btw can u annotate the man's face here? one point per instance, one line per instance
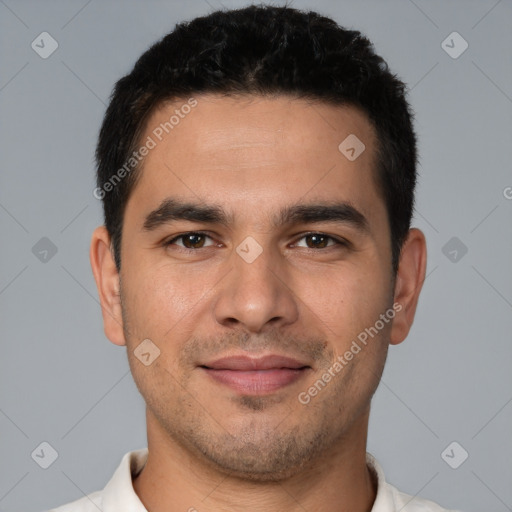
(262, 277)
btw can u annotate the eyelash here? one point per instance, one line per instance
(339, 242)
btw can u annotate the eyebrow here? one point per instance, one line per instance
(172, 209)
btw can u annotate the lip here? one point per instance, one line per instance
(242, 362)
(256, 376)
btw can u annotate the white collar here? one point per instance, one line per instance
(119, 494)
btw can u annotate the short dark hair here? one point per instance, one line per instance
(262, 50)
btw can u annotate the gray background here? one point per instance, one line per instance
(64, 383)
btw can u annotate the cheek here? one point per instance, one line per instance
(345, 304)
(163, 302)
(157, 308)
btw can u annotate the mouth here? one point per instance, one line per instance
(256, 376)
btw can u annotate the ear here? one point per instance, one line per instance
(107, 281)
(408, 284)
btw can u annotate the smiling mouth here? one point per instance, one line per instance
(257, 382)
(256, 376)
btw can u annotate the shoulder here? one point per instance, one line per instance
(407, 503)
(118, 494)
(390, 499)
(89, 503)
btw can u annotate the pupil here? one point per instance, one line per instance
(193, 240)
(318, 240)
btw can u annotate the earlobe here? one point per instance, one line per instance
(409, 281)
(107, 282)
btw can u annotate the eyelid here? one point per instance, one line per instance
(337, 240)
(170, 241)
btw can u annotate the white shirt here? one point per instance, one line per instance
(119, 496)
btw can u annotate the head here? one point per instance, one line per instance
(233, 126)
(261, 51)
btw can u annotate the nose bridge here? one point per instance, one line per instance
(254, 293)
(255, 262)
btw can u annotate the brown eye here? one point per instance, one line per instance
(318, 241)
(192, 240)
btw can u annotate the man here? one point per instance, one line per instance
(257, 170)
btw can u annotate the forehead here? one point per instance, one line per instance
(225, 124)
(252, 151)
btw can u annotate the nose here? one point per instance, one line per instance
(256, 295)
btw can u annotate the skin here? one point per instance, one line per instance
(211, 447)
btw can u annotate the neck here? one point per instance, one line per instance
(175, 479)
